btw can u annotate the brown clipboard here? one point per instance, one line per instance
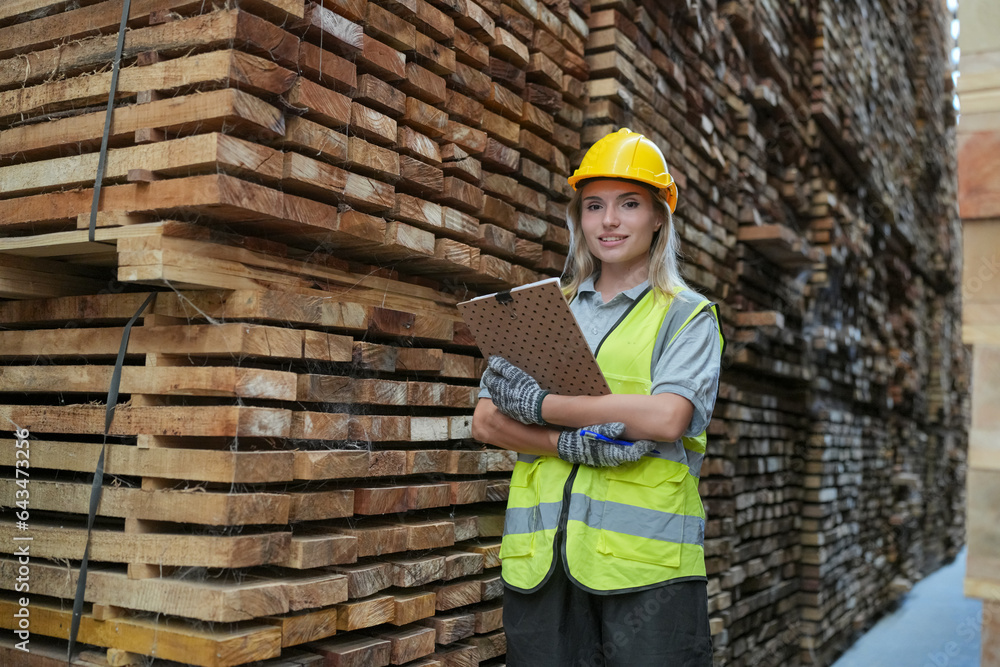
(533, 328)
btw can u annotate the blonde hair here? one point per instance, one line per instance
(664, 263)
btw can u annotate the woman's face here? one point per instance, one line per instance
(619, 221)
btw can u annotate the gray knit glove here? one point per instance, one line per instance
(592, 451)
(514, 392)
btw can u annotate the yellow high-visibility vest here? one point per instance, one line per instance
(624, 528)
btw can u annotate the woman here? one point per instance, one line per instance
(603, 547)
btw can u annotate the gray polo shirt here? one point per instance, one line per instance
(688, 367)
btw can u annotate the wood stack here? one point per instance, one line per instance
(806, 210)
(978, 136)
(306, 189)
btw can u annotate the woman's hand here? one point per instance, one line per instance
(662, 417)
(576, 446)
(491, 426)
(514, 392)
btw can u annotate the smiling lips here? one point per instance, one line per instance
(611, 239)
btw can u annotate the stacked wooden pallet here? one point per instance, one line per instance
(306, 189)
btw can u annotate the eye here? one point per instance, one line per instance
(593, 206)
(631, 204)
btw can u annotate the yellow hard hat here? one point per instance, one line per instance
(628, 154)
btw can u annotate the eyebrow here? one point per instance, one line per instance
(621, 196)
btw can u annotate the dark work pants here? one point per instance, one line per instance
(561, 625)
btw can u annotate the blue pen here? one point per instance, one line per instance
(605, 438)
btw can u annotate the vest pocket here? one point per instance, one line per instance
(521, 520)
(644, 512)
(628, 384)
(513, 546)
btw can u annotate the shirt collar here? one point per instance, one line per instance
(588, 286)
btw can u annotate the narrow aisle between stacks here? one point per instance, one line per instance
(935, 626)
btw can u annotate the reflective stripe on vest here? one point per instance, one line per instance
(627, 527)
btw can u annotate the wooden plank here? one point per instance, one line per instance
(470, 139)
(365, 579)
(418, 146)
(425, 461)
(390, 29)
(366, 158)
(458, 655)
(165, 420)
(509, 48)
(458, 163)
(434, 55)
(53, 542)
(327, 68)
(213, 509)
(329, 29)
(424, 84)
(451, 627)
(470, 50)
(220, 29)
(419, 176)
(224, 599)
(230, 339)
(207, 111)
(506, 216)
(382, 60)
(320, 505)
(462, 108)
(408, 643)
(354, 651)
(491, 645)
(372, 125)
(489, 617)
(351, 9)
(202, 152)
(507, 75)
(315, 547)
(408, 572)
(77, 23)
(304, 175)
(375, 93)
(330, 464)
(437, 24)
(305, 627)
(470, 81)
(314, 139)
(168, 639)
(460, 563)
(422, 496)
(214, 466)
(365, 613)
(412, 606)
(456, 594)
(424, 117)
(242, 382)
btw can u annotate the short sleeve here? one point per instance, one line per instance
(690, 367)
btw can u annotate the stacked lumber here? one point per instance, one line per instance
(978, 132)
(815, 167)
(889, 248)
(261, 475)
(304, 191)
(308, 189)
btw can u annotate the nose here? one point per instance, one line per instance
(610, 217)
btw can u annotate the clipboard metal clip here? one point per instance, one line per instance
(507, 301)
